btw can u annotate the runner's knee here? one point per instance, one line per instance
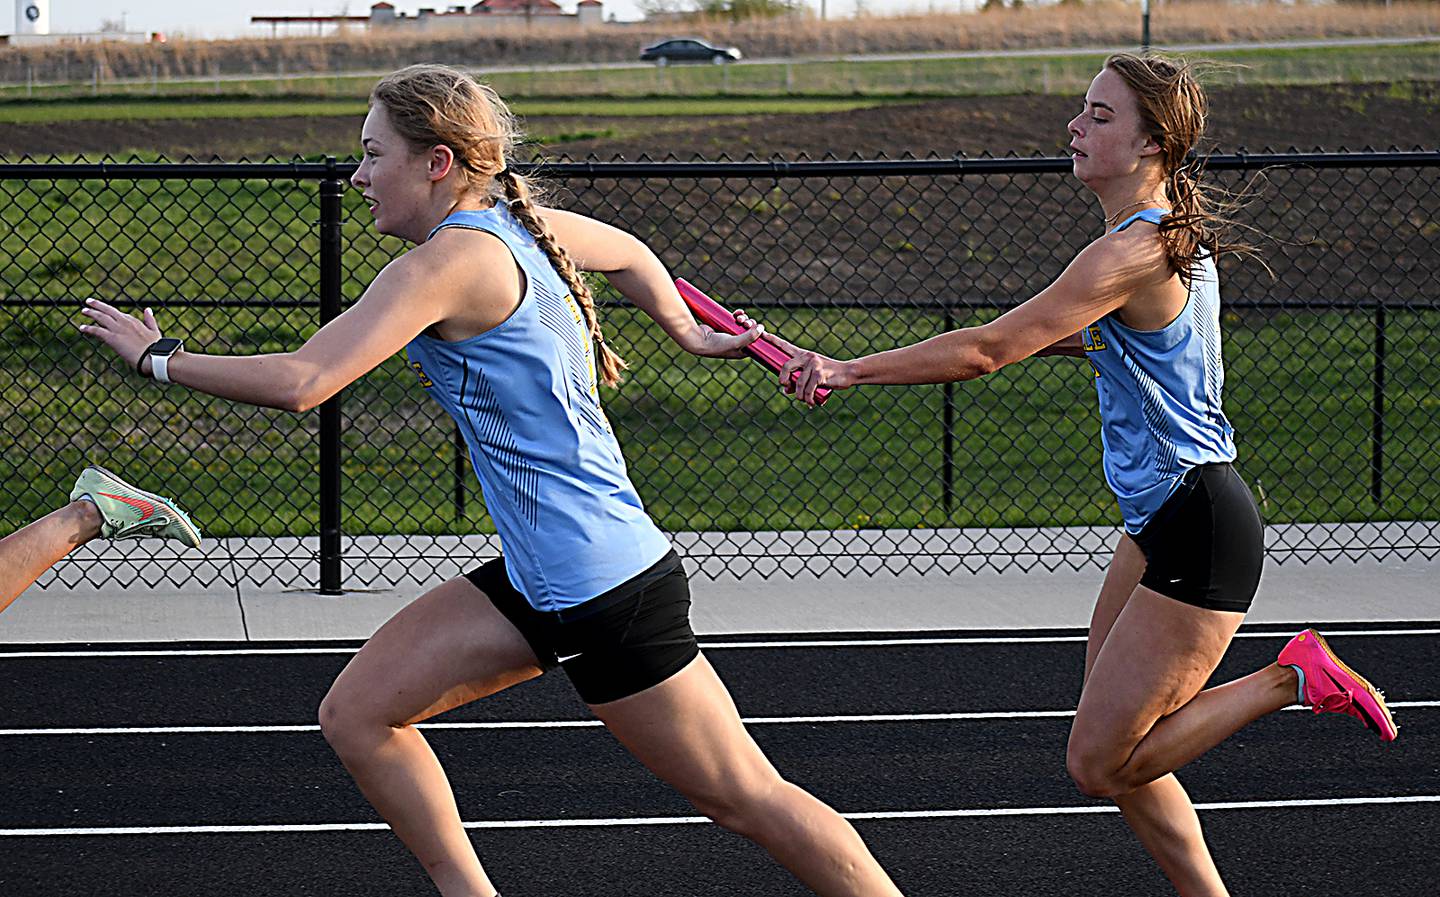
(742, 807)
(1092, 772)
(348, 725)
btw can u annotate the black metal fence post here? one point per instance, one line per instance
(1377, 411)
(947, 442)
(331, 189)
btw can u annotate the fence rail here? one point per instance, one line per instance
(1332, 365)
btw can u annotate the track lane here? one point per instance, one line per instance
(1344, 851)
(288, 778)
(241, 689)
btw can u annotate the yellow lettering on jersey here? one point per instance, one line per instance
(420, 372)
(1092, 338)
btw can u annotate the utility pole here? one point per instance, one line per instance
(1144, 26)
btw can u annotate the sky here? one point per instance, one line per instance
(233, 20)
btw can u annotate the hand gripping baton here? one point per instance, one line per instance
(715, 315)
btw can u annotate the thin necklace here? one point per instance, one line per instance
(1110, 222)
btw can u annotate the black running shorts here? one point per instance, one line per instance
(1205, 546)
(616, 644)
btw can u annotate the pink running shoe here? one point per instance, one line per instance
(1327, 685)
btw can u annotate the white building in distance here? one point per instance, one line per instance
(488, 14)
(32, 28)
(484, 15)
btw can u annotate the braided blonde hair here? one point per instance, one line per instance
(521, 195)
(431, 105)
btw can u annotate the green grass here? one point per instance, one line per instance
(714, 445)
(664, 107)
(737, 89)
(116, 110)
(108, 110)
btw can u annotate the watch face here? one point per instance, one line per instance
(166, 346)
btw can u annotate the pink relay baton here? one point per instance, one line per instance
(717, 317)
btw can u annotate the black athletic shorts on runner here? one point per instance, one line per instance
(1205, 545)
(616, 644)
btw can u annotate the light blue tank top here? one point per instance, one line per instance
(524, 396)
(1159, 394)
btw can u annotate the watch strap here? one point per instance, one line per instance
(139, 362)
(159, 361)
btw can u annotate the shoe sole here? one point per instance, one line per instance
(1389, 728)
(174, 511)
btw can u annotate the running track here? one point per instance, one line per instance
(174, 769)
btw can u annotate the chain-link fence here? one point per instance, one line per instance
(1333, 382)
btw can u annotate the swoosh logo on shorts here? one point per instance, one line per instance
(147, 509)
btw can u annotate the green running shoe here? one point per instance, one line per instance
(132, 513)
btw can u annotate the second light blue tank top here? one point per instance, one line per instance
(524, 396)
(1159, 394)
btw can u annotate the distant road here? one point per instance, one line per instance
(803, 60)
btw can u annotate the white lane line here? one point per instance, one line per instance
(209, 652)
(1220, 805)
(591, 723)
(693, 820)
(1024, 640)
(709, 646)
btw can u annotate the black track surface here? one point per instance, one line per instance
(110, 780)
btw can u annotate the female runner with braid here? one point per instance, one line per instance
(502, 331)
(1142, 303)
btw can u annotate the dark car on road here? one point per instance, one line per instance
(688, 49)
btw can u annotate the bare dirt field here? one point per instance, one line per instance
(1279, 117)
(1326, 116)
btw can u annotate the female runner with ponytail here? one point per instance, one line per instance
(1142, 303)
(501, 330)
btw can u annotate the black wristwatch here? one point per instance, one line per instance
(159, 354)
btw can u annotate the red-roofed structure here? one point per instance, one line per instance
(517, 7)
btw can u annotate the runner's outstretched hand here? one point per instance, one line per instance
(128, 335)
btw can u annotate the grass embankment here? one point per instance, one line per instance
(750, 88)
(711, 445)
(242, 108)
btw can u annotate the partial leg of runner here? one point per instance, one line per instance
(33, 549)
(1160, 813)
(1142, 713)
(688, 732)
(451, 646)
(101, 505)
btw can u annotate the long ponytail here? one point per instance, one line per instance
(1192, 228)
